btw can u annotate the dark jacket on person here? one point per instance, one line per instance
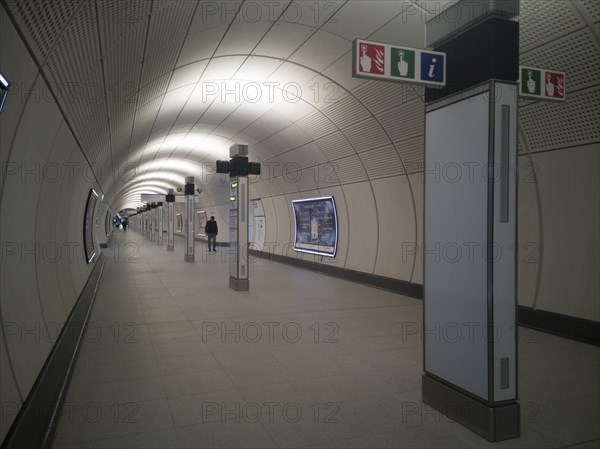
(211, 227)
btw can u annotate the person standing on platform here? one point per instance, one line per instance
(125, 223)
(211, 229)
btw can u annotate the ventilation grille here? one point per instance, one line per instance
(277, 144)
(542, 20)
(335, 146)
(345, 112)
(294, 136)
(74, 64)
(317, 125)
(261, 152)
(592, 8)
(350, 169)
(143, 123)
(382, 162)
(155, 89)
(366, 135)
(405, 121)
(412, 152)
(43, 21)
(122, 23)
(572, 123)
(378, 96)
(307, 155)
(168, 25)
(582, 66)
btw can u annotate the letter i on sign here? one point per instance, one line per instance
(432, 67)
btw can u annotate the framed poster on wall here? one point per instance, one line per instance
(316, 226)
(201, 223)
(4, 85)
(178, 223)
(88, 226)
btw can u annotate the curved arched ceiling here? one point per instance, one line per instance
(155, 91)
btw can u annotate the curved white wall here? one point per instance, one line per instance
(41, 225)
(371, 135)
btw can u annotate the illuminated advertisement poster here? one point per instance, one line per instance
(4, 85)
(88, 234)
(179, 224)
(201, 222)
(316, 226)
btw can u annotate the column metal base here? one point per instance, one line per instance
(496, 423)
(240, 285)
(190, 258)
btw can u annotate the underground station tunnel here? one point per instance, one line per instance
(299, 224)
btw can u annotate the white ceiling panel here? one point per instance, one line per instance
(200, 45)
(222, 68)
(283, 39)
(236, 122)
(169, 23)
(260, 152)
(425, 9)
(321, 50)
(225, 131)
(172, 105)
(538, 21)
(404, 121)
(590, 8)
(106, 50)
(349, 169)
(341, 72)
(317, 125)
(195, 107)
(250, 111)
(291, 73)
(274, 121)
(154, 89)
(202, 128)
(346, 111)
(411, 153)
(33, 17)
(258, 131)
(241, 38)
(382, 162)
(321, 91)
(312, 14)
(277, 143)
(366, 135)
(584, 65)
(378, 96)
(213, 14)
(309, 155)
(181, 128)
(406, 30)
(295, 135)
(188, 74)
(242, 137)
(257, 69)
(362, 19)
(294, 111)
(217, 112)
(335, 146)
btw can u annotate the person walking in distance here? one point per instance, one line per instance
(211, 229)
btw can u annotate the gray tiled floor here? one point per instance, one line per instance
(173, 359)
